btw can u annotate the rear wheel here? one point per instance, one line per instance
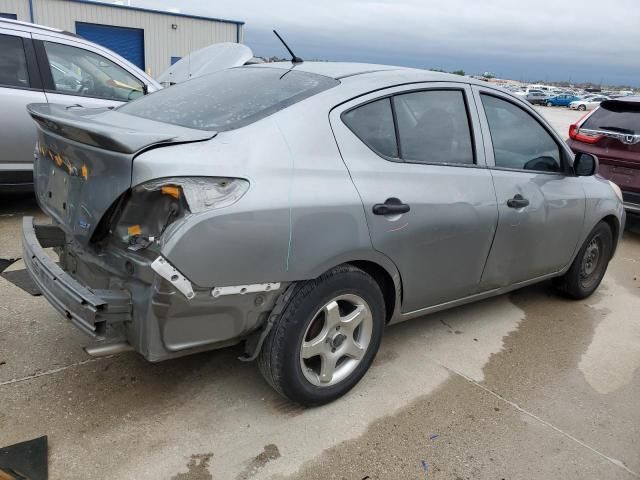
(326, 337)
(589, 266)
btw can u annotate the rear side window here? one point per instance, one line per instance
(373, 124)
(13, 62)
(230, 98)
(623, 117)
(433, 127)
(519, 140)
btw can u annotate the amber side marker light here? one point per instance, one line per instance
(134, 230)
(171, 190)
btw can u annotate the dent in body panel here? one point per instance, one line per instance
(62, 189)
(327, 220)
(540, 238)
(246, 242)
(601, 202)
(453, 210)
(441, 244)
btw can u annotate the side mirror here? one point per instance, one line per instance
(585, 164)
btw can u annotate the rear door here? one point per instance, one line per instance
(74, 73)
(541, 204)
(19, 85)
(415, 156)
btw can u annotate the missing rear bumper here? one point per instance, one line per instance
(88, 309)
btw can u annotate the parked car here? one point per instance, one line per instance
(40, 64)
(612, 131)
(561, 100)
(588, 103)
(208, 214)
(537, 97)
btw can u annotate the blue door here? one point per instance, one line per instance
(126, 42)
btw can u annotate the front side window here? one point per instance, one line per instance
(80, 72)
(373, 124)
(433, 127)
(519, 140)
(13, 62)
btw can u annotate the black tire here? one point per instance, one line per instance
(582, 108)
(549, 104)
(580, 282)
(279, 359)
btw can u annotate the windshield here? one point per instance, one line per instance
(230, 98)
(615, 116)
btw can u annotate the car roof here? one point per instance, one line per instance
(32, 27)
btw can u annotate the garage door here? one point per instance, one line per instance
(126, 42)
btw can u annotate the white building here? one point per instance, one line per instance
(150, 39)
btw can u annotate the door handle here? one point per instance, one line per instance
(518, 201)
(391, 206)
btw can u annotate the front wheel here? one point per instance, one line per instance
(589, 266)
(549, 104)
(582, 108)
(326, 337)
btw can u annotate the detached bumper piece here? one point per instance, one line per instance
(88, 309)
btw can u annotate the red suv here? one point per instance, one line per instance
(612, 132)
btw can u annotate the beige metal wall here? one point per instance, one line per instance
(161, 41)
(19, 7)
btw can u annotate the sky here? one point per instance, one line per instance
(548, 40)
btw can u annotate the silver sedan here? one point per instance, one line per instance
(300, 209)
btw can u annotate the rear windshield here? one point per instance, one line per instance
(230, 98)
(623, 117)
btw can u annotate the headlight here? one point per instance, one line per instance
(153, 206)
(201, 193)
(616, 189)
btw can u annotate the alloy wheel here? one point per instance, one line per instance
(336, 340)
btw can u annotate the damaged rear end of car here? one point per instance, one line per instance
(113, 280)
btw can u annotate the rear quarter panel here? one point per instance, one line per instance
(246, 242)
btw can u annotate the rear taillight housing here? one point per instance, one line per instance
(577, 135)
(152, 206)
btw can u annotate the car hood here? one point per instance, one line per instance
(206, 60)
(84, 160)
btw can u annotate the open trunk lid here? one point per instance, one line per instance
(84, 159)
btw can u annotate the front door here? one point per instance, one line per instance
(541, 204)
(415, 156)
